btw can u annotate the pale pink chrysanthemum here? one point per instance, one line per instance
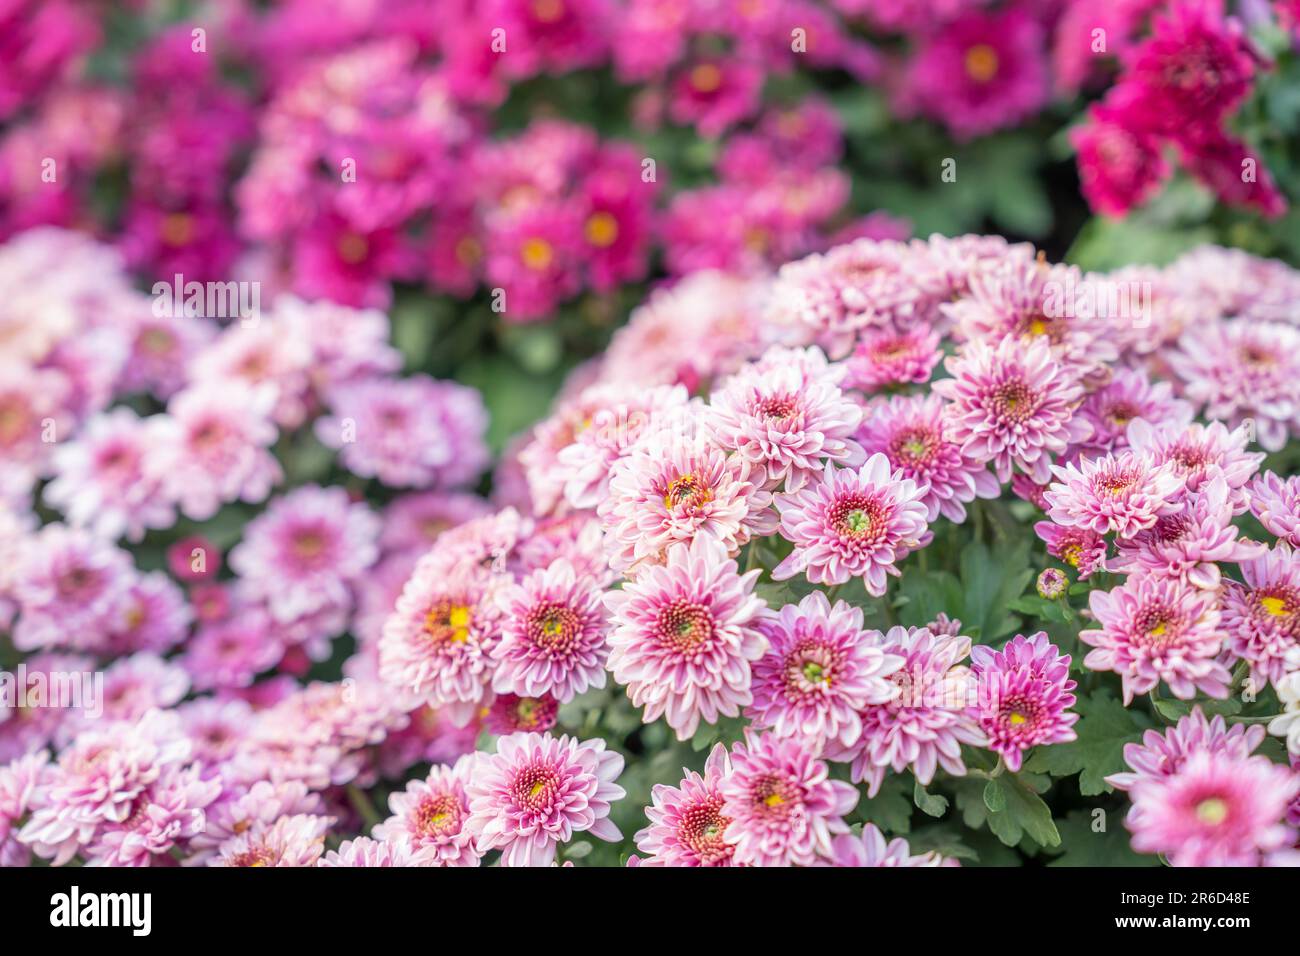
(213, 447)
(885, 357)
(1162, 754)
(215, 727)
(100, 482)
(305, 551)
(1128, 396)
(1216, 810)
(537, 791)
(413, 522)
(510, 713)
(435, 645)
(1276, 503)
(1024, 696)
(670, 491)
(1243, 369)
(430, 817)
(347, 344)
(292, 841)
(853, 523)
(1154, 629)
(1123, 493)
(925, 725)
(266, 356)
(553, 628)
(687, 825)
(685, 637)
(872, 849)
(139, 683)
(407, 432)
(912, 433)
(819, 672)
(1199, 452)
(20, 780)
(783, 807)
(98, 780)
(156, 616)
(1012, 404)
(239, 808)
(364, 851)
(231, 652)
(72, 589)
(1080, 548)
(27, 728)
(1191, 543)
(785, 424)
(1262, 616)
(166, 814)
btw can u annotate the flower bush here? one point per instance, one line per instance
(569, 456)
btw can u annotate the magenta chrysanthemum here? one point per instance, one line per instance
(1154, 629)
(1080, 548)
(686, 635)
(1024, 696)
(1012, 404)
(553, 628)
(819, 672)
(537, 791)
(784, 809)
(687, 825)
(853, 524)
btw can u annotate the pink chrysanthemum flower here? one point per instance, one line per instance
(231, 652)
(430, 817)
(1154, 629)
(164, 815)
(156, 616)
(885, 357)
(435, 644)
(853, 523)
(1012, 405)
(1244, 369)
(777, 419)
(1080, 548)
(213, 447)
(364, 851)
(409, 433)
(1024, 696)
(293, 841)
(872, 849)
(685, 637)
(100, 481)
(1262, 617)
(1198, 452)
(553, 629)
(305, 551)
(511, 713)
(1123, 494)
(1191, 543)
(72, 589)
(671, 490)
(925, 726)
(913, 434)
(1128, 396)
(687, 824)
(1162, 754)
(783, 807)
(537, 791)
(20, 781)
(240, 808)
(819, 672)
(1276, 503)
(1216, 810)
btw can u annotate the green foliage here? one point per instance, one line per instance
(1103, 730)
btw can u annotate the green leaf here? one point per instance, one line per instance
(931, 804)
(1175, 710)
(994, 797)
(1105, 727)
(1023, 812)
(889, 809)
(925, 595)
(1082, 845)
(989, 587)
(942, 839)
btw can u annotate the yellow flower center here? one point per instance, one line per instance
(981, 63)
(1274, 605)
(177, 229)
(602, 229)
(537, 254)
(1212, 811)
(706, 78)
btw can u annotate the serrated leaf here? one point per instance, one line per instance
(1105, 727)
(889, 809)
(1023, 811)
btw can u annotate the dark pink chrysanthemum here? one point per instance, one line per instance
(884, 357)
(430, 817)
(1262, 616)
(1215, 810)
(1024, 696)
(1080, 548)
(686, 635)
(1013, 405)
(553, 627)
(783, 807)
(511, 713)
(1161, 754)
(914, 435)
(819, 672)
(537, 791)
(853, 523)
(1123, 494)
(1154, 629)
(872, 849)
(686, 822)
